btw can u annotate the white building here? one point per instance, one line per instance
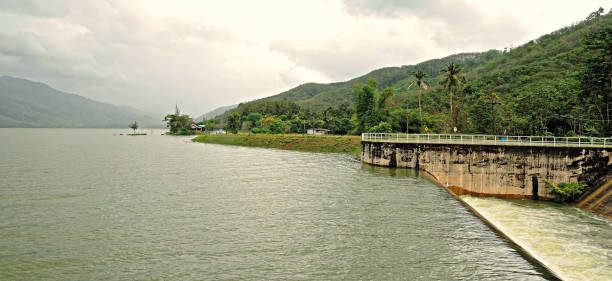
(317, 131)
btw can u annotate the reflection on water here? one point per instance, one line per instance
(574, 243)
(90, 205)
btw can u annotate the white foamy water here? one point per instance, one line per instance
(573, 243)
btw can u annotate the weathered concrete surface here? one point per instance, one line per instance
(599, 198)
(492, 170)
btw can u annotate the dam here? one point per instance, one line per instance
(501, 166)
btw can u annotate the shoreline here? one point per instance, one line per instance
(308, 143)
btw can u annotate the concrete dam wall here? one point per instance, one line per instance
(495, 170)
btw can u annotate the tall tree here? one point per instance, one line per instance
(384, 101)
(365, 106)
(452, 81)
(233, 122)
(596, 14)
(419, 77)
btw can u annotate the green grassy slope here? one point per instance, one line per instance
(337, 144)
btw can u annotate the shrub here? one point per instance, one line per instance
(565, 192)
(260, 131)
(382, 127)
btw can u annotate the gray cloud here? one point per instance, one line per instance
(57, 8)
(211, 54)
(391, 8)
(113, 54)
(342, 60)
(456, 23)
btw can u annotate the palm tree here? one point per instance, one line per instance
(452, 81)
(419, 75)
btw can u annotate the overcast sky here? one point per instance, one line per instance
(204, 54)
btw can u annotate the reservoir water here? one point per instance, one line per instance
(89, 204)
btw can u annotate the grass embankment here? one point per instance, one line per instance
(340, 144)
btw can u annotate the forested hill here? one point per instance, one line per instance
(560, 83)
(24, 103)
(317, 97)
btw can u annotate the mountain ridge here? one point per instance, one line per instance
(27, 103)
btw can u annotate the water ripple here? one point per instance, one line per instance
(89, 204)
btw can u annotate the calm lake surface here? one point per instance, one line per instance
(88, 204)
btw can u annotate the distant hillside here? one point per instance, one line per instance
(216, 112)
(317, 97)
(24, 103)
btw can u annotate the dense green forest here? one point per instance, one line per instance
(558, 84)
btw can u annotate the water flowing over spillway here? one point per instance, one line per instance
(83, 204)
(575, 244)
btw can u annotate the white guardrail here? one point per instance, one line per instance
(490, 139)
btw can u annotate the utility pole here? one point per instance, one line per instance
(493, 101)
(407, 120)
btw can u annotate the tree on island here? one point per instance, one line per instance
(419, 75)
(452, 80)
(134, 126)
